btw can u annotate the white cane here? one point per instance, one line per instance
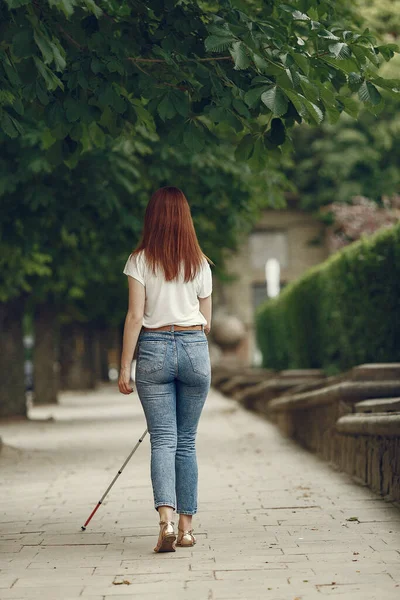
(113, 481)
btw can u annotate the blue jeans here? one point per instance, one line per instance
(173, 377)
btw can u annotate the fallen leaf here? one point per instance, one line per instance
(124, 582)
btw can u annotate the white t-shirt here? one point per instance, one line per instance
(170, 302)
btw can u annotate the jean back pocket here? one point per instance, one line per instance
(199, 356)
(151, 355)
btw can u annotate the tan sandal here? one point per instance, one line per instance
(166, 538)
(185, 537)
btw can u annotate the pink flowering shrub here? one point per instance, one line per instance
(361, 217)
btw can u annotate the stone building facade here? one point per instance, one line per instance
(293, 238)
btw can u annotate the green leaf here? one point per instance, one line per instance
(51, 80)
(259, 155)
(45, 47)
(11, 72)
(297, 101)
(354, 81)
(47, 139)
(293, 74)
(314, 111)
(245, 148)
(59, 59)
(241, 108)
(41, 92)
(328, 94)
(72, 110)
(392, 86)
(388, 50)
(351, 106)
(346, 66)
(333, 114)
(299, 16)
(260, 62)
(193, 138)
(97, 135)
(18, 107)
(233, 121)
(340, 50)
(302, 61)
(239, 55)
(310, 90)
(143, 115)
(180, 102)
(108, 120)
(115, 66)
(218, 44)
(327, 35)
(96, 66)
(8, 125)
(165, 108)
(369, 93)
(252, 97)
(66, 6)
(275, 100)
(284, 80)
(360, 54)
(376, 109)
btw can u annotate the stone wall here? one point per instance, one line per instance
(352, 420)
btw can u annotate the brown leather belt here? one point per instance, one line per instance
(174, 328)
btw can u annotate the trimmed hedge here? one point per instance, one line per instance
(343, 312)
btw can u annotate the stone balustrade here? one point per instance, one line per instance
(351, 420)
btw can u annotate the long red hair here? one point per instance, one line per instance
(169, 239)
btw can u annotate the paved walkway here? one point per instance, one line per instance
(274, 522)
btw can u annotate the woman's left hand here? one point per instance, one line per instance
(124, 381)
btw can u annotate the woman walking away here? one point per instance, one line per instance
(169, 316)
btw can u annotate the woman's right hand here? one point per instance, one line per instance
(124, 381)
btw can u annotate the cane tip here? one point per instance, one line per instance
(83, 528)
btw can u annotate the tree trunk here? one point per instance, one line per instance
(45, 372)
(114, 349)
(12, 377)
(103, 343)
(97, 367)
(77, 366)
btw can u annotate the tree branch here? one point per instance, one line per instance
(176, 87)
(70, 39)
(162, 60)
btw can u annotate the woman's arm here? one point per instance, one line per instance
(133, 325)
(206, 310)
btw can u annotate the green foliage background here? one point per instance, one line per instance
(341, 313)
(103, 102)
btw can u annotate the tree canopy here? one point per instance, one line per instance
(359, 155)
(91, 70)
(101, 101)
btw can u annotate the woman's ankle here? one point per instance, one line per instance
(185, 522)
(166, 513)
